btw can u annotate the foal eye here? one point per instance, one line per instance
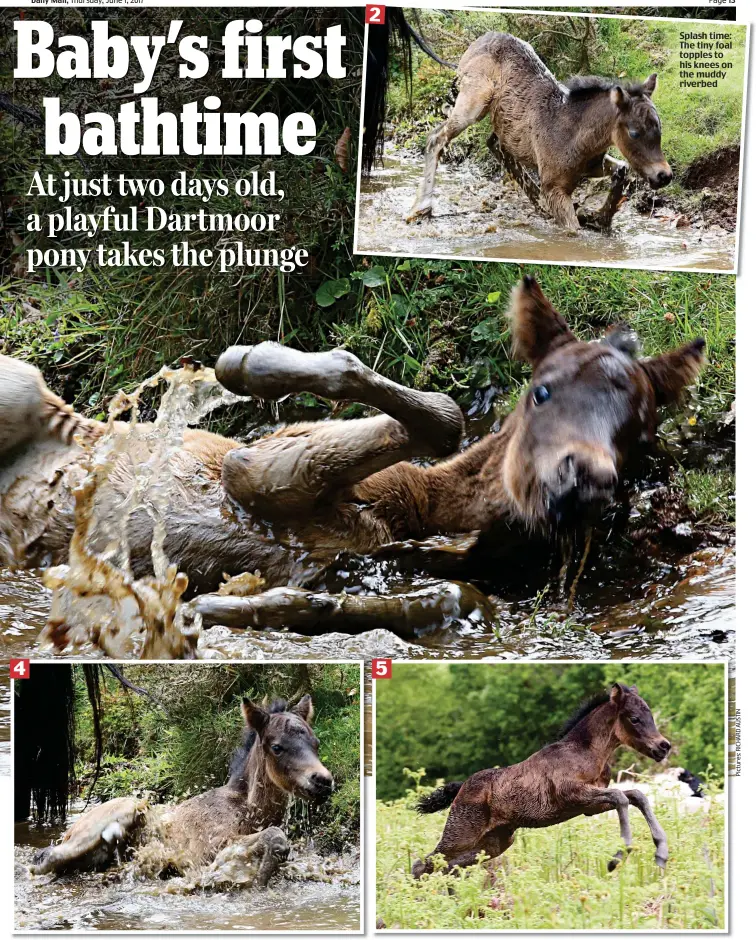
(276, 748)
(540, 394)
(635, 721)
(633, 132)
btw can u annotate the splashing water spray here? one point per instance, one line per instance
(97, 602)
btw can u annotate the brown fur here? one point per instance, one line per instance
(557, 783)
(562, 131)
(258, 792)
(289, 503)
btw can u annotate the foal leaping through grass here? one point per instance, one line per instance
(566, 779)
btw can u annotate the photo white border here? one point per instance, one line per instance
(564, 263)
(152, 930)
(571, 931)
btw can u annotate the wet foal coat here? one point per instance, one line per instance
(566, 779)
(288, 504)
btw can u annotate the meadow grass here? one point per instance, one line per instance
(557, 878)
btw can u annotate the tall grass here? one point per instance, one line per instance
(557, 878)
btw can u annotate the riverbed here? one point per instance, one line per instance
(312, 893)
(480, 215)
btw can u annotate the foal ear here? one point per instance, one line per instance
(617, 694)
(673, 371)
(304, 709)
(537, 329)
(623, 338)
(255, 718)
(649, 86)
(619, 97)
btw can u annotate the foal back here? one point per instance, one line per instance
(521, 90)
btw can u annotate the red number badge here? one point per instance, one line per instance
(19, 669)
(375, 15)
(381, 669)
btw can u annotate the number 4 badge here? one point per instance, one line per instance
(19, 669)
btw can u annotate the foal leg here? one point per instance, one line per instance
(471, 105)
(28, 408)
(519, 173)
(639, 799)
(301, 464)
(601, 218)
(603, 801)
(462, 840)
(559, 205)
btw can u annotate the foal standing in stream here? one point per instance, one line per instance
(566, 779)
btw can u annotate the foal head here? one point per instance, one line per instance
(634, 725)
(637, 132)
(588, 407)
(635, 127)
(280, 740)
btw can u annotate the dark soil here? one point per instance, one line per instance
(710, 190)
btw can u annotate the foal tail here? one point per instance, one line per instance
(440, 799)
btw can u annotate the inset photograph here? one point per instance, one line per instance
(547, 137)
(551, 796)
(188, 797)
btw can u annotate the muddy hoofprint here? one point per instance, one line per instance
(230, 835)
(561, 781)
(561, 130)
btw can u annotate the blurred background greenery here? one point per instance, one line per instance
(452, 719)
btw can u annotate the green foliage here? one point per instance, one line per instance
(456, 718)
(557, 878)
(173, 752)
(103, 328)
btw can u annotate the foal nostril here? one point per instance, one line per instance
(665, 746)
(321, 781)
(566, 469)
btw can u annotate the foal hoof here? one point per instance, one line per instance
(661, 862)
(419, 212)
(419, 868)
(618, 858)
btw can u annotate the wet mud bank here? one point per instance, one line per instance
(480, 213)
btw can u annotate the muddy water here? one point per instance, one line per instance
(631, 602)
(482, 215)
(312, 893)
(672, 607)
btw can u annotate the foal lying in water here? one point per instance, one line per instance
(561, 781)
(290, 503)
(234, 829)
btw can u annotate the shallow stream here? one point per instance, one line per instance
(479, 215)
(316, 893)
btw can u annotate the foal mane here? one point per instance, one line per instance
(586, 86)
(585, 709)
(241, 754)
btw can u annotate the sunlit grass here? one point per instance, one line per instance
(557, 878)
